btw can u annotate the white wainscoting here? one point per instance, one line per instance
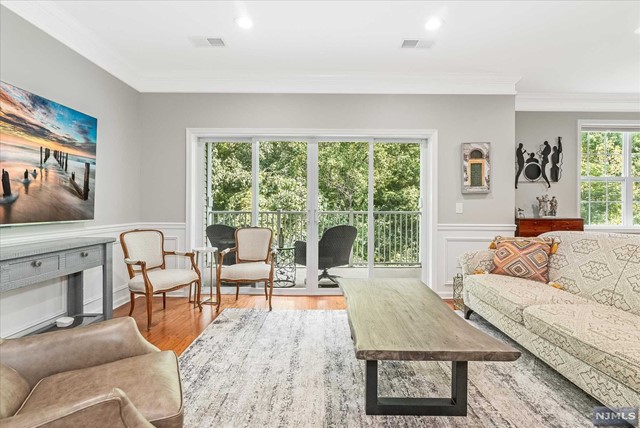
(25, 310)
(29, 308)
(455, 239)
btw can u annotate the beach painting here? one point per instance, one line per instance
(48, 160)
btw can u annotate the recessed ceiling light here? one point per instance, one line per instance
(244, 22)
(433, 23)
(637, 31)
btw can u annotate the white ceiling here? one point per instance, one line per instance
(542, 47)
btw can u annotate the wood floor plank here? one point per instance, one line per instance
(180, 324)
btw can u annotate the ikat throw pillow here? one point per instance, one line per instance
(522, 258)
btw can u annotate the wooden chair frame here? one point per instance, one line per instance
(148, 286)
(270, 259)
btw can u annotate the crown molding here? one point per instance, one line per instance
(528, 101)
(53, 20)
(338, 83)
(50, 18)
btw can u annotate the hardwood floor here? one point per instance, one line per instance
(177, 326)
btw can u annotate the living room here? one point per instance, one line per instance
(361, 146)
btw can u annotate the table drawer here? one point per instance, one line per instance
(86, 257)
(31, 268)
(530, 230)
(568, 225)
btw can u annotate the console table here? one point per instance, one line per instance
(28, 264)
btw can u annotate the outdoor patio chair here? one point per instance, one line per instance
(334, 249)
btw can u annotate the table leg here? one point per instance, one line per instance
(75, 294)
(210, 300)
(454, 406)
(107, 282)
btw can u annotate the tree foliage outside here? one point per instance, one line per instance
(342, 187)
(603, 181)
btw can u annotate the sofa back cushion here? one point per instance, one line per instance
(603, 267)
(14, 390)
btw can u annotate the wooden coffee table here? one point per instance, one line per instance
(403, 319)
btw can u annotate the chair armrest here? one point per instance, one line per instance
(227, 251)
(135, 262)
(475, 261)
(113, 409)
(36, 357)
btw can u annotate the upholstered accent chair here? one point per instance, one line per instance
(254, 260)
(334, 249)
(145, 259)
(105, 374)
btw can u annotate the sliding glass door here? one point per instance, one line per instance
(282, 206)
(339, 208)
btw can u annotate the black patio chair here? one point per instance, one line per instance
(334, 249)
(223, 237)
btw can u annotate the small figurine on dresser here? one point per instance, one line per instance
(553, 206)
(543, 205)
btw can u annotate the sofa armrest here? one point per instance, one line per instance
(36, 357)
(109, 410)
(474, 261)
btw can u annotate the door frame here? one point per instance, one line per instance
(194, 201)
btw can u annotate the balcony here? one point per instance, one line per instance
(396, 234)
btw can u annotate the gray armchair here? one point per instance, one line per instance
(334, 249)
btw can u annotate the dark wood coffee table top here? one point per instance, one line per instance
(403, 319)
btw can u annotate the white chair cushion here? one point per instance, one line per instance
(250, 271)
(163, 279)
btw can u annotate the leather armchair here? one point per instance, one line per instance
(105, 374)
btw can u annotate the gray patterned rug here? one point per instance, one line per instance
(253, 368)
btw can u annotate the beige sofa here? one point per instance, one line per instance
(103, 375)
(589, 331)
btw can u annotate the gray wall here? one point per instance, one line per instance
(34, 61)
(458, 118)
(532, 129)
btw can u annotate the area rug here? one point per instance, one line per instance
(253, 368)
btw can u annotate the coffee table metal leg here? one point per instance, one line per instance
(454, 406)
(371, 387)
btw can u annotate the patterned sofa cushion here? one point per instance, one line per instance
(601, 336)
(626, 295)
(512, 295)
(591, 265)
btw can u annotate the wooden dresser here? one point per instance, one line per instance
(536, 226)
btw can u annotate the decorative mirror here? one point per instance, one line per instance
(476, 168)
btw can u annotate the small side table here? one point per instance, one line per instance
(285, 268)
(214, 252)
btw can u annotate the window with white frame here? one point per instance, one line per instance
(610, 175)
